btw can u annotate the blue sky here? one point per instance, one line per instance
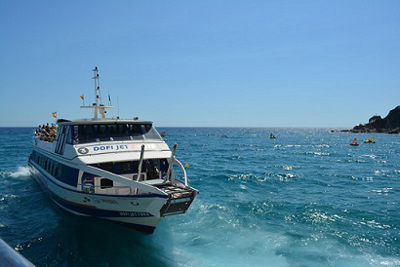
(202, 63)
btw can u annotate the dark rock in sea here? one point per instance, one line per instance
(390, 124)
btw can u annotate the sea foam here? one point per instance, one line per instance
(21, 172)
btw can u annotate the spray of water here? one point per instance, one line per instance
(22, 172)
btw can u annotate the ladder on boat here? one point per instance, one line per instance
(179, 199)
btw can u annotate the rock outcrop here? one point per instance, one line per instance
(390, 124)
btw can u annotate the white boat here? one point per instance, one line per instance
(116, 169)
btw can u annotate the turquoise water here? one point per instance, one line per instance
(306, 198)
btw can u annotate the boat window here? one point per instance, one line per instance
(118, 132)
(108, 166)
(121, 132)
(69, 135)
(61, 172)
(106, 183)
(56, 173)
(117, 168)
(126, 167)
(53, 167)
(102, 132)
(61, 140)
(88, 182)
(76, 134)
(164, 168)
(135, 166)
(151, 166)
(151, 134)
(90, 133)
(134, 132)
(58, 133)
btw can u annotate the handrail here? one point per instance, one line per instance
(11, 257)
(121, 179)
(183, 170)
(114, 190)
(140, 163)
(168, 178)
(115, 186)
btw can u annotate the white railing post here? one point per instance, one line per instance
(140, 163)
(171, 161)
(183, 170)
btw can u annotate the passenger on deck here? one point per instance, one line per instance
(53, 128)
(152, 172)
(46, 133)
(38, 131)
(52, 133)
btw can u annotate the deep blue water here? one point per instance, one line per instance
(306, 198)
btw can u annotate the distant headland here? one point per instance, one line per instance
(390, 124)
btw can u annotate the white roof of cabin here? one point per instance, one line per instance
(101, 121)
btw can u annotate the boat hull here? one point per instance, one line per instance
(140, 212)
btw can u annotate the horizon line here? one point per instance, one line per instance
(261, 127)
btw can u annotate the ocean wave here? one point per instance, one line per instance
(383, 191)
(268, 176)
(368, 178)
(286, 167)
(28, 244)
(322, 146)
(22, 171)
(369, 156)
(318, 153)
(304, 199)
(283, 147)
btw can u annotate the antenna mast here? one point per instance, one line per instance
(98, 107)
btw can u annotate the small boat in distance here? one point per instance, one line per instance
(111, 168)
(271, 136)
(370, 140)
(163, 134)
(354, 143)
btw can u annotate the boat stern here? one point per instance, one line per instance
(179, 199)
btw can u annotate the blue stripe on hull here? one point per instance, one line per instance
(138, 227)
(93, 211)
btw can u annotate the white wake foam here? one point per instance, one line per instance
(22, 171)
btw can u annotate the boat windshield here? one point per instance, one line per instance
(114, 132)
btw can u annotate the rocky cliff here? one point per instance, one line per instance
(389, 124)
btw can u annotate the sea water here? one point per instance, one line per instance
(306, 198)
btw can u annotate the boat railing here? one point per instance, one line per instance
(11, 257)
(180, 165)
(130, 183)
(109, 190)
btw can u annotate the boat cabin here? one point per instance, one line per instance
(98, 136)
